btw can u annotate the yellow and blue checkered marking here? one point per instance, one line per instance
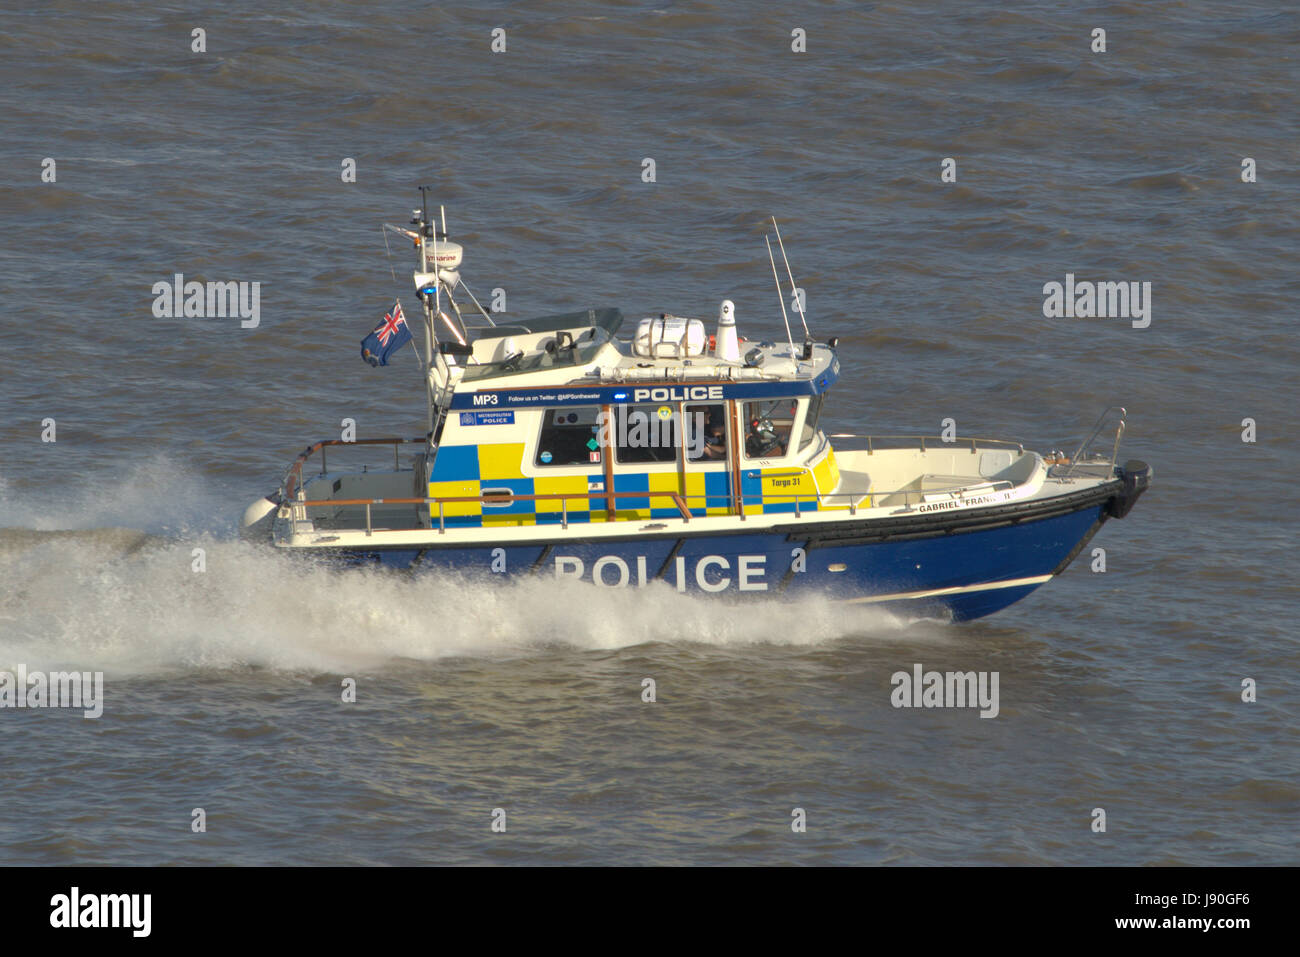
(473, 470)
(461, 470)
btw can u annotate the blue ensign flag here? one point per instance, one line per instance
(390, 335)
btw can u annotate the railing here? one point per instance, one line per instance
(292, 489)
(919, 442)
(498, 499)
(292, 486)
(489, 499)
(1085, 461)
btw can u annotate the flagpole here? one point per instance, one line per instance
(437, 298)
(414, 348)
(428, 315)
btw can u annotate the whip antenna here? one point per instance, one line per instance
(794, 290)
(781, 298)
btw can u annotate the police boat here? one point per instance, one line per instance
(683, 460)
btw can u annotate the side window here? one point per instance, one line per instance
(809, 431)
(767, 427)
(646, 433)
(569, 436)
(706, 433)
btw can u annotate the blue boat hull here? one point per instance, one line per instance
(964, 566)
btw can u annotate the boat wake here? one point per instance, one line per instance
(156, 494)
(128, 602)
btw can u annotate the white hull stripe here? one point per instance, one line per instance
(959, 590)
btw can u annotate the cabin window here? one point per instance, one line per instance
(569, 436)
(767, 427)
(706, 433)
(646, 433)
(810, 421)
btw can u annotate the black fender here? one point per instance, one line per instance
(1136, 477)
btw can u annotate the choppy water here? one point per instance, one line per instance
(1119, 691)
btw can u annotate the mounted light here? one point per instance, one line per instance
(727, 346)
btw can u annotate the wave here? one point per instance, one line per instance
(125, 602)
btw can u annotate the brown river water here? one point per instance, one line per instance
(1120, 691)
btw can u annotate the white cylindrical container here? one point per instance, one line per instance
(669, 337)
(727, 345)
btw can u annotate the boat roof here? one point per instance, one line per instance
(608, 319)
(529, 363)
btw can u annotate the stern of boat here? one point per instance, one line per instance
(317, 496)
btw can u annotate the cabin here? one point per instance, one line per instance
(545, 419)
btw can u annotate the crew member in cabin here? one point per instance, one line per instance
(768, 435)
(715, 435)
(762, 439)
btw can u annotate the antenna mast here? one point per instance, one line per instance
(794, 359)
(794, 290)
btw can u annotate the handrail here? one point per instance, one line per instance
(678, 499)
(295, 470)
(290, 491)
(293, 485)
(486, 498)
(975, 442)
(1077, 460)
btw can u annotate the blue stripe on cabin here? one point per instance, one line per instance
(631, 483)
(455, 463)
